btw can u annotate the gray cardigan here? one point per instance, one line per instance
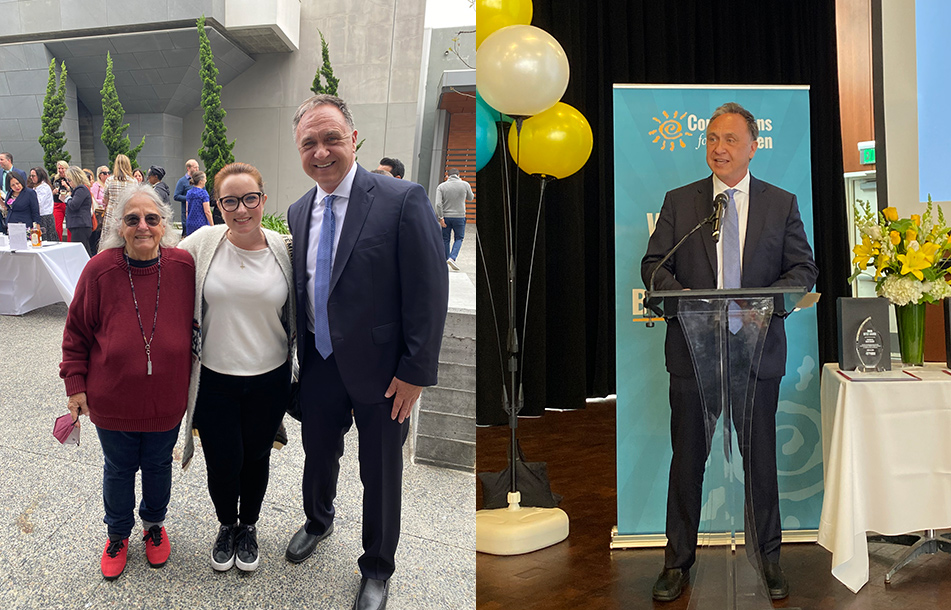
(202, 245)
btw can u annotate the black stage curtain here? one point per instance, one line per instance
(570, 336)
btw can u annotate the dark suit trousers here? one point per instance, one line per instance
(691, 445)
(328, 411)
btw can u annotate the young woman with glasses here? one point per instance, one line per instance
(243, 280)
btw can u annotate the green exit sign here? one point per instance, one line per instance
(868, 156)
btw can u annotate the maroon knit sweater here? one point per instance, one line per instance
(103, 350)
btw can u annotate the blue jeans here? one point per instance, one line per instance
(126, 453)
(457, 225)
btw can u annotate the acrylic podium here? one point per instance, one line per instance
(725, 332)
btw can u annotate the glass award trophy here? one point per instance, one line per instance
(868, 346)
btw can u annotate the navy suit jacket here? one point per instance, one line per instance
(25, 208)
(776, 253)
(389, 289)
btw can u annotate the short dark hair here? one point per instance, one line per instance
(734, 108)
(452, 171)
(7, 155)
(399, 170)
(319, 100)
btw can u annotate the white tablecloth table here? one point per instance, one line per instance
(37, 277)
(886, 461)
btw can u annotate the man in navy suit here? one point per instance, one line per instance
(770, 249)
(372, 294)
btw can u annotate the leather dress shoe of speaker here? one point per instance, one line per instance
(776, 582)
(372, 594)
(303, 544)
(670, 584)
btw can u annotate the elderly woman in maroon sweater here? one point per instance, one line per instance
(127, 362)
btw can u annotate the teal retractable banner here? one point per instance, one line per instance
(659, 145)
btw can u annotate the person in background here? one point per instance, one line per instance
(392, 165)
(6, 169)
(244, 279)
(21, 203)
(181, 189)
(138, 175)
(60, 186)
(90, 177)
(79, 207)
(155, 176)
(120, 180)
(381, 172)
(98, 186)
(197, 208)
(139, 289)
(39, 181)
(451, 198)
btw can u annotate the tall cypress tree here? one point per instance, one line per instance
(112, 116)
(215, 150)
(326, 70)
(54, 109)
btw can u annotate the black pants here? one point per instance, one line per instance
(237, 418)
(326, 408)
(82, 236)
(690, 441)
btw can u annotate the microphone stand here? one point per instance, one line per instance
(650, 288)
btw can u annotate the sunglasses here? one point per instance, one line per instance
(132, 220)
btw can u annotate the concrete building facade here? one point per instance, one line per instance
(266, 51)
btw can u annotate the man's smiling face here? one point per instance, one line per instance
(327, 145)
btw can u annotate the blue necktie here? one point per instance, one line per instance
(322, 272)
(730, 235)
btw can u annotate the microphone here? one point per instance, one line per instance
(720, 202)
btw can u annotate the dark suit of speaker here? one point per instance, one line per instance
(776, 253)
(387, 307)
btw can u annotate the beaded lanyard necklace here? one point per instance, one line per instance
(148, 342)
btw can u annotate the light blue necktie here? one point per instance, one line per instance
(730, 235)
(322, 272)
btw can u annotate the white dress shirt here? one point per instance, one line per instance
(341, 201)
(742, 200)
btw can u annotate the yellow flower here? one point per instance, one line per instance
(894, 237)
(915, 218)
(910, 235)
(913, 262)
(929, 250)
(881, 264)
(865, 252)
(891, 214)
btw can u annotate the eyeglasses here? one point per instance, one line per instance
(132, 220)
(250, 201)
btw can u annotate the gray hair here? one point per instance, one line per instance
(734, 108)
(110, 232)
(319, 100)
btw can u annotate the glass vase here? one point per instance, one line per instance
(911, 333)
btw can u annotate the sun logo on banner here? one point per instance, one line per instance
(670, 131)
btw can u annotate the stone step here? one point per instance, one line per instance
(457, 376)
(441, 425)
(448, 401)
(458, 350)
(460, 325)
(458, 455)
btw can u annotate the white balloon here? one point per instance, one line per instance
(522, 70)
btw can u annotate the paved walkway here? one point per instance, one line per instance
(52, 535)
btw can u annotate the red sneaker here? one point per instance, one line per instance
(113, 558)
(157, 547)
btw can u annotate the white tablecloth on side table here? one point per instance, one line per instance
(886, 460)
(36, 277)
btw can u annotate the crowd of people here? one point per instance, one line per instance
(72, 199)
(349, 309)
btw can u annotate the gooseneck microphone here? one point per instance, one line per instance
(719, 204)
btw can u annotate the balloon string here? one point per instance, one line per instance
(531, 266)
(495, 317)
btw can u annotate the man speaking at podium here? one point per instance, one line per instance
(761, 243)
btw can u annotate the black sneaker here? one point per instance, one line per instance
(222, 556)
(246, 543)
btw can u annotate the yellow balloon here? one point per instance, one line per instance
(492, 15)
(556, 142)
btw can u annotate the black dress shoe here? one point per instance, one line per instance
(302, 544)
(775, 581)
(372, 594)
(670, 584)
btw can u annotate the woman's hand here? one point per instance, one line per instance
(77, 405)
